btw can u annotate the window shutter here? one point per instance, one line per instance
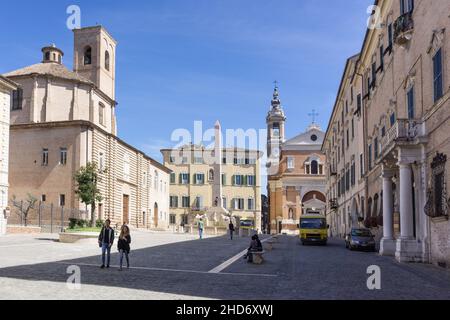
(195, 178)
(181, 178)
(233, 180)
(245, 179)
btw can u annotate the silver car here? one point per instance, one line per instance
(360, 238)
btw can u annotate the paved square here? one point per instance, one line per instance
(168, 266)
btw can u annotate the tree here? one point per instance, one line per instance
(87, 190)
(25, 207)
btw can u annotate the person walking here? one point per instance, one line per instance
(231, 228)
(105, 241)
(201, 227)
(123, 245)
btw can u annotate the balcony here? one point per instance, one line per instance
(403, 132)
(403, 28)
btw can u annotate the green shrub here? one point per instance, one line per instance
(99, 223)
(72, 223)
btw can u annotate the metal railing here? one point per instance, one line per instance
(48, 217)
(403, 27)
(402, 130)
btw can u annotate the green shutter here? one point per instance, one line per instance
(181, 178)
(195, 178)
(245, 179)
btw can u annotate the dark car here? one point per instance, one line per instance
(360, 239)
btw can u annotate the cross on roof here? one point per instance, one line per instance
(313, 115)
(275, 83)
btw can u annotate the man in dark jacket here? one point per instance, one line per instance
(255, 246)
(231, 228)
(105, 241)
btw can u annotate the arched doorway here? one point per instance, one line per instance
(314, 202)
(155, 215)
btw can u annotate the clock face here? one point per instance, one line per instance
(314, 138)
(276, 152)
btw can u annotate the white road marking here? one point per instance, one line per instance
(232, 260)
(170, 270)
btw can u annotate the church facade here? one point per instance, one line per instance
(296, 172)
(61, 120)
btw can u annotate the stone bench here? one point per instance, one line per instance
(67, 237)
(258, 257)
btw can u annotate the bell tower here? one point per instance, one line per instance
(275, 128)
(95, 57)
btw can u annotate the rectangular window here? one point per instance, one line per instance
(370, 157)
(17, 98)
(353, 128)
(375, 147)
(374, 75)
(45, 157)
(437, 73)
(238, 180)
(238, 204)
(290, 163)
(410, 101)
(172, 178)
(224, 179)
(184, 178)
(43, 198)
(438, 183)
(174, 201)
(101, 112)
(381, 58)
(171, 159)
(347, 180)
(358, 104)
(101, 161)
(224, 202)
(392, 119)
(251, 204)
(199, 178)
(251, 181)
(62, 200)
(199, 202)
(353, 174)
(63, 156)
(406, 6)
(172, 219)
(185, 202)
(361, 165)
(390, 36)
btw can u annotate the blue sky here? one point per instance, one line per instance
(184, 60)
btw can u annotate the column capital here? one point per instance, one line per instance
(387, 173)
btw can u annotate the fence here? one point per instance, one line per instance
(48, 217)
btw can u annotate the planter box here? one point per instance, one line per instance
(11, 229)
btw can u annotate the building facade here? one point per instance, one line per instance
(296, 172)
(6, 89)
(202, 179)
(404, 68)
(344, 149)
(61, 120)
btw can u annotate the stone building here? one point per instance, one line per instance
(62, 119)
(296, 172)
(217, 183)
(404, 68)
(6, 89)
(344, 150)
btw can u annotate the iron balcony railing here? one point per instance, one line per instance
(403, 28)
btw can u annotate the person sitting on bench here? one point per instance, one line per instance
(255, 246)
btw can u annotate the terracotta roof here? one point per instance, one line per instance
(51, 69)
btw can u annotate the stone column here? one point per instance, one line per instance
(406, 202)
(387, 245)
(407, 248)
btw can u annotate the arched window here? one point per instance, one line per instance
(47, 56)
(314, 167)
(291, 214)
(88, 56)
(107, 60)
(211, 175)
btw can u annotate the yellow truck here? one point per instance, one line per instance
(313, 229)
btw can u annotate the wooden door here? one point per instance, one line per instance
(126, 208)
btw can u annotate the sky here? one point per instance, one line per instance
(180, 61)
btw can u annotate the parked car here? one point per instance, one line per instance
(360, 239)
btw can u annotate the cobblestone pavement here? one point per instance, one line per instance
(168, 266)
